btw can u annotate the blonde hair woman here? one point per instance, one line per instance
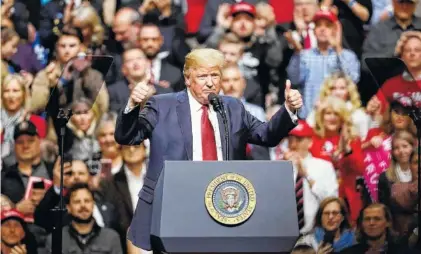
(14, 99)
(337, 141)
(341, 86)
(397, 185)
(86, 18)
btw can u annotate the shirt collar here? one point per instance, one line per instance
(195, 106)
(130, 173)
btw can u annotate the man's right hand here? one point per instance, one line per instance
(141, 92)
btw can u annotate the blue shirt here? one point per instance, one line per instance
(310, 68)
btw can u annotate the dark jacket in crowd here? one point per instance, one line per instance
(100, 240)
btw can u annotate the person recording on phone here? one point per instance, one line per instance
(332, 231)
(192, 124)
(67, 77)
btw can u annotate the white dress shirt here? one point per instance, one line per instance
(135, 183)
(325, 185)
(196, 122)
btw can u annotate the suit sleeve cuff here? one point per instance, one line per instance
(294, 116)
(128, 109)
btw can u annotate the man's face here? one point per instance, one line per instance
(324, 30)
(299, 144)
(12, 232)
(80, 172)
(203, 81)
(374, 222)
(81, 204)
(37, 195)
(125, 33)
(67, 48)
(411, 53)
(403, 11)
(306, 9)
(232, 53)
(134, 64)
(27, 148)
(150, 40)
(133, 154)
(243, 25)
(233, 83)
(106, 140)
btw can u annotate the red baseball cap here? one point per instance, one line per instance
(302, 130)
(325, 14)
(12, 214)
(243, 7)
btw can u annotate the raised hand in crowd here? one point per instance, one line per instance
(294, 44)
(164, 6)
(25, 206)
(325, 248)
(223, 17)
(373, 107)
(53, 74)
(19, 249)
(300, 24)
(6, 8)
(67, 15)
(67, 173)
(28, 77)
(147, 6)
(296, 159)
(141, 92)
(336, 39)
(265, 18)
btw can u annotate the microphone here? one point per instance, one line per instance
(217, 105)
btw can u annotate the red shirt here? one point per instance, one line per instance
(402, 89)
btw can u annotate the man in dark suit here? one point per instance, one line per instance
(172, 122)
(163, 73)
(134, 67)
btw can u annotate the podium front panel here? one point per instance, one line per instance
(182, 223)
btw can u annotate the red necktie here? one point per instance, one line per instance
(208, 138)
(307, 40)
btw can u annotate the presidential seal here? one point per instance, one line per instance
(230, 199)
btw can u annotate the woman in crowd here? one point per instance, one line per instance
(86, 18)
(397, 186)
(336, 141)
(110, 150)
(15, 98)
(331, 218)
(393, 119)
(342, 87)
(79, 140)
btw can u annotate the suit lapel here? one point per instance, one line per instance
(184, 120)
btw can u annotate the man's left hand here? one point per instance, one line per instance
(293, 99)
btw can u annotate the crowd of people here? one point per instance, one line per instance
(354, 150)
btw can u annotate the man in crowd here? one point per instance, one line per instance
(83, 234)
(15, 237)
(315, 179)
(308, 68)
(64, 75)
(375, 224)
(126, 27)
(135, 68)
(162, 72)
(14, 179)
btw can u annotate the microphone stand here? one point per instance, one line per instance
(415, 114)
(224, 119)
(56, 243)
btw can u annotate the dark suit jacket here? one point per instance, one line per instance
(172, 112)
(171, 74)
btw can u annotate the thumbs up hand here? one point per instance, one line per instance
(293, 99)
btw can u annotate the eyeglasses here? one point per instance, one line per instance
(333, 213)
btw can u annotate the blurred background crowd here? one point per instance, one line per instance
(354, 151)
